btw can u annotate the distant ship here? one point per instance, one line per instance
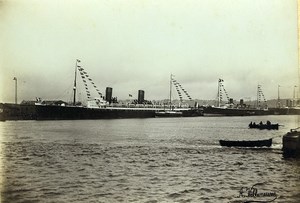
(96, 108)
(241, 109)
(171, 111)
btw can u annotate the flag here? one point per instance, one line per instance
(15, 78)
(130, 95)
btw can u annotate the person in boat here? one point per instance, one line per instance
(268, 123)
(260, 123)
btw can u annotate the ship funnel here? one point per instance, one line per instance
(141, 96)
(108, 94)
(241, 102)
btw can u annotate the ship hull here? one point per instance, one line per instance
(55, 112)
(72, 113)
(215, 111)
(17, 112)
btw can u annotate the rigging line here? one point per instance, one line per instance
(177, 89)
(65, 92)
(186, 93)
(85, 75)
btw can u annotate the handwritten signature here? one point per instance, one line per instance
(253, 192)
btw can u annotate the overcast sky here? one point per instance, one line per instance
(136, 44)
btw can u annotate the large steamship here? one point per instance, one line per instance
(100, 107)
(241, 109)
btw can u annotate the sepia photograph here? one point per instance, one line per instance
(150, 101)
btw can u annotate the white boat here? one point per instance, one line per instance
(168, 113)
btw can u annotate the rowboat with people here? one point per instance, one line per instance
(261, 125)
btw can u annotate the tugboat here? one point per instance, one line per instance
(291, 143)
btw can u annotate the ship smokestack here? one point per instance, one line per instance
(108, 94)
(141, 96)
(241, 102)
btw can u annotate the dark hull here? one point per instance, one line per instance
(17, 112)
(284, 111)
(255, 143)
(215, 111)
(233, 112)
(49, 112)
(69, 113)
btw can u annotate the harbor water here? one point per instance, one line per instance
(145, 160)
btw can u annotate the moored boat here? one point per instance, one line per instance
(169, 113)
(246, 143)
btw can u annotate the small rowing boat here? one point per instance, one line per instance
(246, 143)
(262, 126)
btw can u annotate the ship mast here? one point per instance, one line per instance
(298, 40)
(74, 88)
(261, 95)
(220, 88)
(219, 95)
(16, 90)
(257, 98)
(171, 78)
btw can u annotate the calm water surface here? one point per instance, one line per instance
(143, 160)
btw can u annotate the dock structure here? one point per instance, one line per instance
(291, 143)
(291, 140)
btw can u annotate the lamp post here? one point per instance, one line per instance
(16, 90)
(278, 100)
(294, 95)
